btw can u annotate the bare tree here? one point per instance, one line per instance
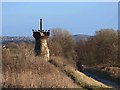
(99, 49)
(61, 43)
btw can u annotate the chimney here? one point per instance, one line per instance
(40, 24)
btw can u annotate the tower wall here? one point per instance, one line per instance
(41, 48)
(44, 48)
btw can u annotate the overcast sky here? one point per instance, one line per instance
(19, 18)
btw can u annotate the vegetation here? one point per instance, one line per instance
(109, 73)
(101, 52)
(78, 77)
(22, 69)
(99, 49)
(61, 43)
(102, 48)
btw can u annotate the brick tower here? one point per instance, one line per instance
(41, 47)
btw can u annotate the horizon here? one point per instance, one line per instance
(19, 18)
(32, 36)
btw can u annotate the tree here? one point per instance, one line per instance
(61, 43)
(106, 46)
(102, 48)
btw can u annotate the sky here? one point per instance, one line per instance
(19, 18)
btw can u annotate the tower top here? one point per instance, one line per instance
(40, 32)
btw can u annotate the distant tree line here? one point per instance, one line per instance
(102, 48)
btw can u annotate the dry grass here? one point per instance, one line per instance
(62, 62)
(115, 71)
(106, 72)
(78, 77)
(21, 69)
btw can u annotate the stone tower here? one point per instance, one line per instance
(41, 47)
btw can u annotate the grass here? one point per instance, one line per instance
(109, 73)
(21, 69)
(78, 77)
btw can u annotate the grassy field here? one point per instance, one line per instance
(78, 77)
(22, 69)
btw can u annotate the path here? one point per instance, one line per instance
(107, 82)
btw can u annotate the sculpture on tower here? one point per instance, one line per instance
(41, 47)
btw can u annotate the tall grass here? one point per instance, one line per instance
(22, 69)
